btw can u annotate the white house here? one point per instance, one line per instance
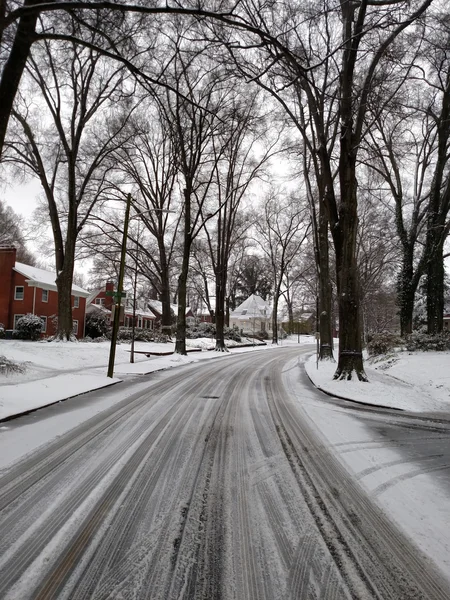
(252, 316)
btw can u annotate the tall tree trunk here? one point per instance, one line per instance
(227, 311)
(435, 273)
(180, 344)
(325, 290)
(350, 340)
(64, 280)
(220, 309)
(406, 291)
(166, 317)
(65, 261)
(275, 317)
(290, 308)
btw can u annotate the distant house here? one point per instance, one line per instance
(252, 316)
(156, 307)
(305, 323)
(99, 302)
(447, 322)
(204, 315)
(25, 289)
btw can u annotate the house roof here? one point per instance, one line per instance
(254, 307)
(93, 295)
(44, 279)
(156, 306)
(100, 308)
(305, 317)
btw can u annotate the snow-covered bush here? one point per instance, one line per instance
(29, 327)
(208, 330)
(8, 366)
(97, 325)
(140, 335)
(261, 335)
(201, 330)
(426, 343)
(232, 333)
(382, 343)
(2, 331)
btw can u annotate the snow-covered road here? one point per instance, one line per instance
(211, 483)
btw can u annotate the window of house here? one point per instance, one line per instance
(100, 301)
(16, 318)
(244, 312)
(44, 324)
(44, 295)
(75, 327)
(76, 302)
(19, 292)
(139, 322)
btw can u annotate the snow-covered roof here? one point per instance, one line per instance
(157, 306)
(93, 295)
(45, 279)
(141, 312)
(305, 316)
(252, 308)
(99, 308)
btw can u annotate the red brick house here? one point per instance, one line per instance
(99, 301)
(25, 289)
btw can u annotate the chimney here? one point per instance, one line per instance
(109, 300)
(7, 264)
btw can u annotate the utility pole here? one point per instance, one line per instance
(133, 326)
(118, 295)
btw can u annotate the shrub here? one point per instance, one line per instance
(2, 331)
(208, 330)
(96, 325)
(422, 341)
(232, 333)
(29, 327)
(8, 366)
(201, 330)
(382, 343)
(140, 335)
(261, 335)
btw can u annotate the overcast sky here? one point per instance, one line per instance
(22, 198)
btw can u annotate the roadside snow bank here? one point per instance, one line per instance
(23, 397)
(418, 382)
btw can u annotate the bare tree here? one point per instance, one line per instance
(282, 230)
(193, 124)
(150, 164)
(69, 148)
(336, 76)
(241, 151)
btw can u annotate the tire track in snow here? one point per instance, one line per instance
(375, 559)
(226, 494)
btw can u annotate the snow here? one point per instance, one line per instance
(45, 279)
(20, 398)
(418, 382)
(55, 371)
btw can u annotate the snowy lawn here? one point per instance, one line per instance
(418, 381)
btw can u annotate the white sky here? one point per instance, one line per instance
(23, 197)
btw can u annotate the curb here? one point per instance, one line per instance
(359, 402)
